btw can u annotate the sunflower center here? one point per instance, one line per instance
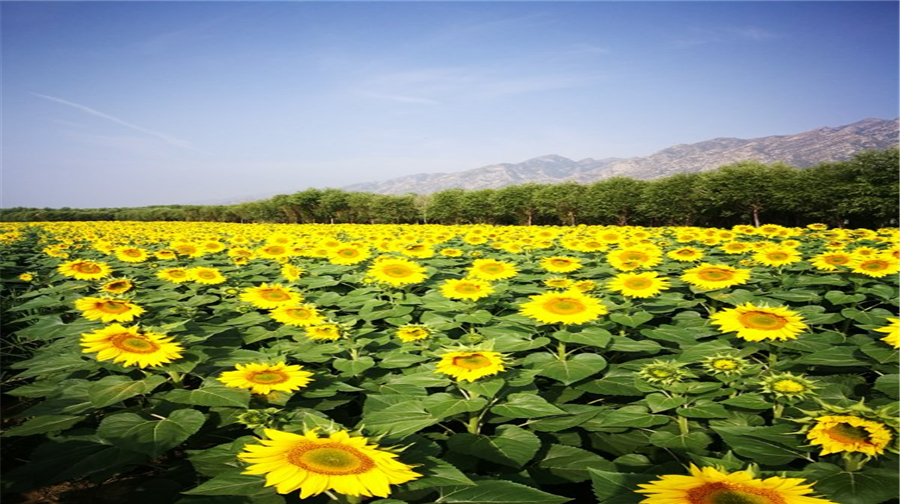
(415, 333)
(725, 493)
(875, 265)
(724, 364)
(268, 377)
(206, 275)
(274, 295)
(837, 260)
(275, 250)
(762, 321)
(565, 306)
(332, 459)
(299, 313)
(788, 386)
(685, 252)
(397, 271)
(846, 433)
(349, 253)
(133, 344)
(132, 252)
(86, 268)
(634, 256)
(777, 256)
(638, 283)
(492, 269)
(113, 307)
(185, 250)
(560, 262)
(468, 288)
(178, 274)
(715, 274)
(474, 361)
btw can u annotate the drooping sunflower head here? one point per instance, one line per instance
(857, 428)
(759, 323)
(566, 307)
(117, 286)
(263, 378)
(84, 269)
(664, 372)
(470, 365)
(412, 332)
(585, 285)
(711, 486)
(787, 385)
(313, 465)
(639, 285)
(291, 273)
(131, 346)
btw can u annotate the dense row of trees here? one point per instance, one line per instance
(861, 192)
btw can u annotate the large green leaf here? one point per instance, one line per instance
(631, 320)
(511, 446)
(692, 441)
(400, 420)
(573, 369)
(526, 405)
(498, 492)
(44, 424)
(445, 405)
(437, 473)
(777, 445)
(869, 486)
(110, 390)
(150, 437)
(617, 488)
(231, 483)
(568, 464)
(211, 396)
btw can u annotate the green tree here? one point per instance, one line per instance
(746, 189)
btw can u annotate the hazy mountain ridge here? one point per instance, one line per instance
(801, 150)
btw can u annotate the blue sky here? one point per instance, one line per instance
(126, 104)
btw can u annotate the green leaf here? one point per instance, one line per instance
(617, 488)
(659, 402)
(777, 445)
(110, 390)
(498, 492)
(230, 483)
(797, 296)
(692, 441)
(573, 369)
(477, 317)
(749, 401)
(445, 405)
(632, 320)
(568, 464)
(592, 336)
(526, 405)
(211, 396)
(511, 446)
(838, 356)
(400, 420)
(438, 473)
(626, 416)
(150, 437)
(889, 385)
(44, 424)
(838, 297)
(704, 409)
(869, 486)
(623, 344)
(353, 367)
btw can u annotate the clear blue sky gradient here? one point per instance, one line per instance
(111, 104)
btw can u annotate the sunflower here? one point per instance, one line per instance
(26, 277)
(130, 346)
(108, 309)
(314, 465)
(560, 264)
(715, 276)
(206, 276)
(492, 269)
(265, 378)
(412, 332)
(165, 255)
(568, 307)
(639, 285)
(709, 486)
(632, 258)
(84, 269)
(758, 323)
(875, 266)
(466, 288)
(269, 297)
(777, 256)
(558, 283)
(685, 254)
(893, 332)
(326, 332)
(273, 251)
(117, 286)
(348, 255)
(451, 252)
(174, 275)
(724, 365)
(131, 254)
(470, 366)
(291, 273)
(831, 261)
(734, 247)
(396, 271)
(787, 385)
(664, 372)
(584, 285)
(298, 316)
(848, 433)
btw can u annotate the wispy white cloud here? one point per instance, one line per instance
(162, 136)
(703, 36)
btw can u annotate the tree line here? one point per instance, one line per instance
(860, 192)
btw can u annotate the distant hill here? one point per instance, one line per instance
(801, 150)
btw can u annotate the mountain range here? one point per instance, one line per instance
(801, 150)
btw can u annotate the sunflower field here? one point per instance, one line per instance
(200, 363)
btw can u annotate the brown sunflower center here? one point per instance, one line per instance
(113, 307)
(397, 271)
(874, 265)
(274, 295)
(836, 260)
(559, 263)
(762, 320)
(132, 252)
(493, 269)
(299, 313)
(777, 256)
(178, 273)
(638, 283)
(715, 275)
(348, 253)
(332, 459)
(467, 288)
(274, 250)
(268, 377)
(186, 249)
(88, 268)
(685, 252)
(415, 333)
(206, 275)
(130, 343)
(634, 256)
(846, 433)
(565, 306)
(727, 493)
(473, 361)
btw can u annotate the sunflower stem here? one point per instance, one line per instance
(777, 410)
(473, 426)
(561, 351)
(683, 427)
(853, 462)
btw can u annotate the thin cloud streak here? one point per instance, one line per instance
(162, 136)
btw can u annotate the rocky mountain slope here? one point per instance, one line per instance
(801, 150)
